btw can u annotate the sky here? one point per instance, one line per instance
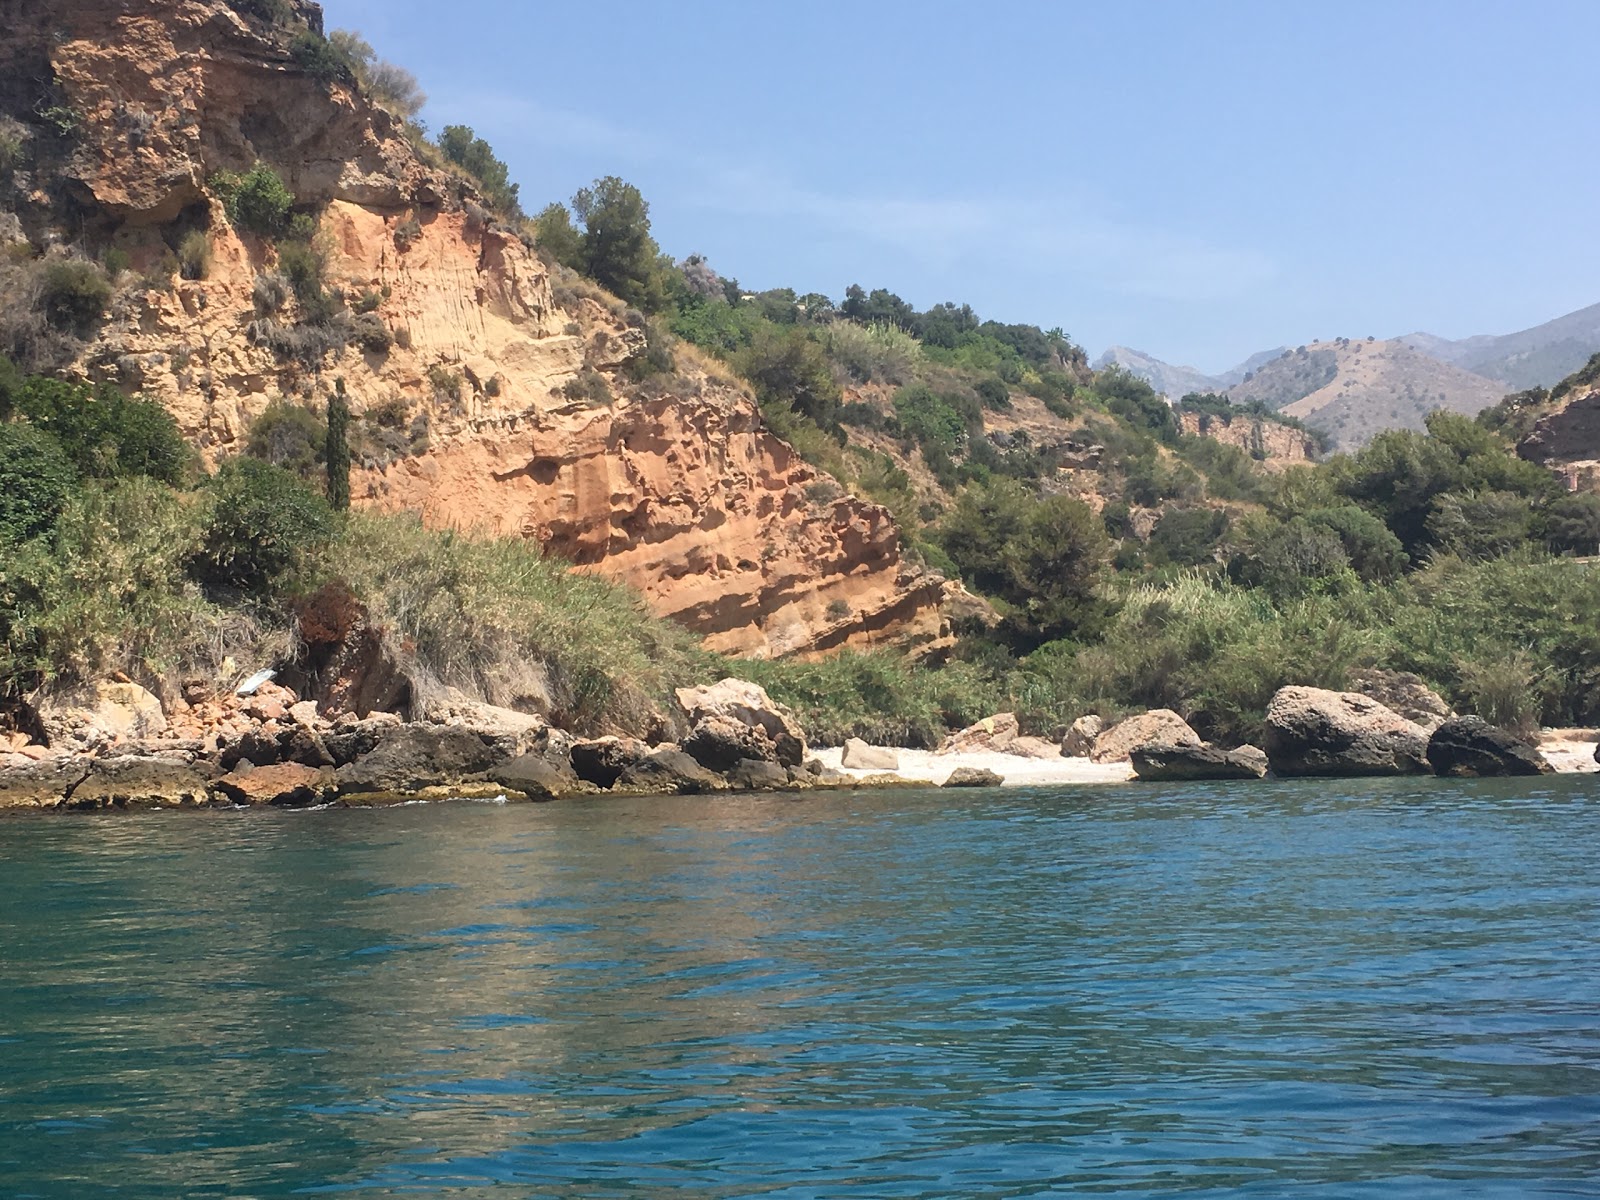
(1197, 179)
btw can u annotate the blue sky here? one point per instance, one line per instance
(1199, 180)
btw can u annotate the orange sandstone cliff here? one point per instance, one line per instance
(469, 344)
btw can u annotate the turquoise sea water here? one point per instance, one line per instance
(1296, 990)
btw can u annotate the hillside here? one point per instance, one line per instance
(1351, 389)
(473, 371)
(1176, 382)
(1536, 357)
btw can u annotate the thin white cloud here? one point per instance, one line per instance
(1070, 238)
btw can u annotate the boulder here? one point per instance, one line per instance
(1079, 742)
(274, 742)
(285, 785)
(1403, 693)
(754, 775)
(720, 742)
(1032, 747)
(415, 758)
(973, 777)
(667, 771)
(602, 761)
(100, 715)
(536, 777)
(353, 737)
(139, 781)
(42, 783)
(1470, 746)
(1158, 727)
(1315, 732)
(990, 735)
(749, 704)
(859, 756)
(1160, 763)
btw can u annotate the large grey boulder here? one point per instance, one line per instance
(753, 775)
(973, 777)
(1316, 732)
(720, 743)
(1470, 746)
(665, 771)
(1079, 741)
(101, 714)
(138, 781)
(1404, 693)
(859, 756)
(416, 758)
(992, 735)
(536, 777)
(1181, 763)
(41, 784)
(602, 761)
(748, 704)
(1158, 727)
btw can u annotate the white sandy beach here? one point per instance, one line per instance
(1570, 752)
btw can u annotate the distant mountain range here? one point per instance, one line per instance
(1352, 389)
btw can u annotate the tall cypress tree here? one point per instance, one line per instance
(338, 449)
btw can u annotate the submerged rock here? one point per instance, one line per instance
(1470, 746)
(1315, 732)
(973, 777)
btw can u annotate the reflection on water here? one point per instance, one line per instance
(1325, 990)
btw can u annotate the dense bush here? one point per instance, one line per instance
(36, 480)
(73, 295)
(105, 433)
(263, 528)
(290, 436)
(790, 370)
(257, 201)
(477, 158)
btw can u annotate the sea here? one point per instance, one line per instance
(1306, 989)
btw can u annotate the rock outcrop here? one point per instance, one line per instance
(1079, 739)
(859, 756)
(1470, 746)
(992, 735)
(1312, 731)
(459, 365)
(1404, 693)
(1173, 764)
(746, 704)
(973, 777)
(1159, 727)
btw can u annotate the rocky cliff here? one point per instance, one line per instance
(1276, 446)
(494, 396)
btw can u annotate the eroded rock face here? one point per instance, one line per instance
(1312, 731)
(677, 490)
(101, 714)
(1470, 746)
(1159, 726)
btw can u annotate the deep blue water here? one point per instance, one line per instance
(1276, 990)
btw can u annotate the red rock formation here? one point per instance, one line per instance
(676, 488)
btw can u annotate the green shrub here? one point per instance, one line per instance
(263, 529)
(476, 157)
(290, 436)
(993, 393)
(73, 295)
(194, 255)
(587, 387)
(257, 201)
(106, 433)
(372, 334)
(495, 619)
(108, 592)
(36, 480)
(321, 58)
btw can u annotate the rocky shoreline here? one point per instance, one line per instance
(113, 748)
